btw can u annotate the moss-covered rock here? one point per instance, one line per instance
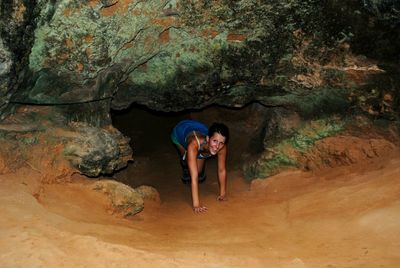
(285, 152)
(87, 57)
(91, 50)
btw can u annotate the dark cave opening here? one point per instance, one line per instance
(155, 158)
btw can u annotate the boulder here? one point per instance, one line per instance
(123, 198)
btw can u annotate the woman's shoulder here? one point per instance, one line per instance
(193, 134)
(195, 137)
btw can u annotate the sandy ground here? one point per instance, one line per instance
(343, 217)
(347, 217)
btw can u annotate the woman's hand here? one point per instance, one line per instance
(221, 198)
(200, 209)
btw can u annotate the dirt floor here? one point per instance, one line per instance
(348, 216)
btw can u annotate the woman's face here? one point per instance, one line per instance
(215, 143)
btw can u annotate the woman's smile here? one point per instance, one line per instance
(216, 142)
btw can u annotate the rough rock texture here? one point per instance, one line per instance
(174, 55)
(96, 151)
(91, 146)
(311, 59)
(148, 193)
(125, 199)
(17, 24)
(315, 144)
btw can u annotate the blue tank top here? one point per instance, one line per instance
(186, 127)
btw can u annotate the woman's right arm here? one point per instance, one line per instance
(192, 151)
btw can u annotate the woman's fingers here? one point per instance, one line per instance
(221, 198)
(200, 209)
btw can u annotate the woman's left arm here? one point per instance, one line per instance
(222, 173)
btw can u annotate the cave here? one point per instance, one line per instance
(308, 175)
(156, 160)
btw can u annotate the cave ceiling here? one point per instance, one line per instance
(175, 55)
(65, 64)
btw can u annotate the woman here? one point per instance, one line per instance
(195, 143)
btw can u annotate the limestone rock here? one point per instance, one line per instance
(148, 193)
(178, 55)
(94, 151)
(123, 198)
(16, 39)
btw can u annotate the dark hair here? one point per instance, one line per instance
(219, 128)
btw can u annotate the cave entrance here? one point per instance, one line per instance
(156, 161)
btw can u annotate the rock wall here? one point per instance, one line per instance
(311, 58)
(17, 25)
(174, 55)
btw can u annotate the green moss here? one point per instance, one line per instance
(29, 140)
(265, 167)
(282, 154)
(316, 130)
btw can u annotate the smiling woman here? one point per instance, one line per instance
(195, 143)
